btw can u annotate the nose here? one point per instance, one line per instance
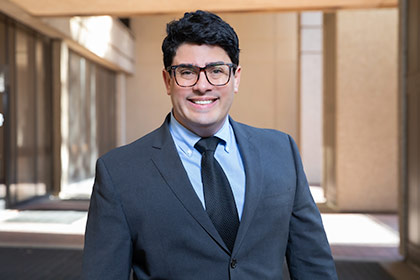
(202, 85)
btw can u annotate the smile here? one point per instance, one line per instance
(203, 102)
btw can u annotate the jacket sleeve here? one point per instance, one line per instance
(108, 247)
(308, 253)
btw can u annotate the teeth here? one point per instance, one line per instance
(202, 102)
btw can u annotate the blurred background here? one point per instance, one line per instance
(78, 78)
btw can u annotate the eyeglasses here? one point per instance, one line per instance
(187, 75)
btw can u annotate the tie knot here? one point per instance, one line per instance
(207, 144)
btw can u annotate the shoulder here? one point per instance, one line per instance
(261, 134)
(135, 151)
(271, 143)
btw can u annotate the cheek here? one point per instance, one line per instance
(174, 98)
(229, 94)
(178, 98)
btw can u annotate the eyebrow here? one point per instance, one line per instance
(215, 63)
(185, 65)
(208, 64)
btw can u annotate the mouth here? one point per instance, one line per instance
(206, 101)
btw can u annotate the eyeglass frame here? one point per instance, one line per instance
(171, 69)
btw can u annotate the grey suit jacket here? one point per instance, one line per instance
(144, 215)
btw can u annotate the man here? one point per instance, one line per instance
(204, 197)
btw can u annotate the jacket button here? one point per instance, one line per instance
(233, 263)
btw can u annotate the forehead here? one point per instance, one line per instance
(200, 55)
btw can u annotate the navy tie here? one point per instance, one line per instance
(218, 196)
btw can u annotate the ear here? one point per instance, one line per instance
(167, 81)
(237, 79)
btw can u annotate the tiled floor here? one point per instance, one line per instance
(363, 237)
(65, 264)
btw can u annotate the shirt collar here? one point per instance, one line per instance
(187, 139)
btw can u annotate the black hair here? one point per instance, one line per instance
(200, 28)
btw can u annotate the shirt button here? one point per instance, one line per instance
(233, 263)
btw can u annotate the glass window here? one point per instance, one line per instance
(25, 116)
(3, 67)
(30, 138)
(43, 117)
(91, 120)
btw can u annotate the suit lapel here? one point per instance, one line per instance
(251, 159)
(167, 161)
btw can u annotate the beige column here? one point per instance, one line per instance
(410, 91)
(361, 110)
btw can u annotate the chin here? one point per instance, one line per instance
(206, 122)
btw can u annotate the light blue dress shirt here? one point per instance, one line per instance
(227, 154)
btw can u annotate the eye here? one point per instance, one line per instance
(186, 71)
(217, 70)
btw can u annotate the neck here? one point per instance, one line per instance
(205, 131)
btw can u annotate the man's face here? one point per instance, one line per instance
(203, 107)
